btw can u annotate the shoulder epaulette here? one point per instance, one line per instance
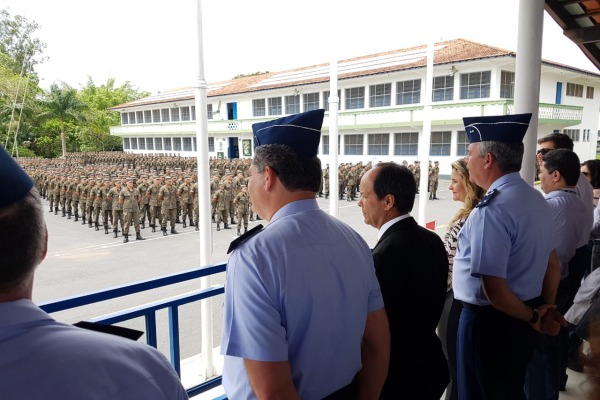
(486, 198)
(244, 237)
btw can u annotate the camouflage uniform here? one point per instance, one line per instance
(168, 196)
(242, 202)
(117, 208)
(129, 198)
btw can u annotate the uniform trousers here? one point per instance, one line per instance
(493, 352)
(171, 214)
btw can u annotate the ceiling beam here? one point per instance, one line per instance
(583, 35)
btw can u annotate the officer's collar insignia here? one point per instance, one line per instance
(244, 237)
(486, 199)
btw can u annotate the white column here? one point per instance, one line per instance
(334, 101)
(200, 90)
(527, 76)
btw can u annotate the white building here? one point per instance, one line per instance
(381, 105)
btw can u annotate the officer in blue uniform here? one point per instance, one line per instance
(506, 271)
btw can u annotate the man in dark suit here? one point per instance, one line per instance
(412, 267)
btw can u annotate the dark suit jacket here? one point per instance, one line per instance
(412, 267)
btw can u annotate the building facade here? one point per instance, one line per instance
(380, 110)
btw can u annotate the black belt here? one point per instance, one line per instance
(531, 303)
(348, 392)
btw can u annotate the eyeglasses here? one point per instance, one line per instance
(543, 151)
(585, 173)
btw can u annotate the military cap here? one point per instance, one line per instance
(15, 183)
(301, 131)
(498, 128)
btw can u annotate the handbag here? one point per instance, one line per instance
(591, 316)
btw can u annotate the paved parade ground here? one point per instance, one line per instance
(82, 260)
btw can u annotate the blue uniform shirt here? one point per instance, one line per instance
(570, 216)
(510, 237)
(299, 291)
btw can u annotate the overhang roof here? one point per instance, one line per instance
(580, 21)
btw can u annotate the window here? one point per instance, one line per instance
(155, 115)
(408, 92)
(139, 116)
(194, 141)
(353, 144)
(326, 100)
(589, 92)
(311, 101)
(132, 118)
(379, 144)
(325, 144)
(142, 143)
(187, 144)
(209, 111)
(134, 143)
(292, 104)
(164, 113)
(407, 143)
(475, 85)
(149, 143)
(177, 144)
(211, 144)
(158, 143)
(274, 105)
(440, 143)
(258, 108)
(507, 85)
(126, 144)
(168, 146)
(355, 98)
(443, 88)
(462, 143)
(185, 113)
(174, 114)
(380, 95)
(147, 116)
(124, 120)
(572, 133)
(573, 90)
(193, 113)
(586, 135)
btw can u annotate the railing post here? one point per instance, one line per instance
(151, 329)
(174, 339)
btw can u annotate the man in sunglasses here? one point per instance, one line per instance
(581, 260)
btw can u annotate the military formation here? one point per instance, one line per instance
(113, 191)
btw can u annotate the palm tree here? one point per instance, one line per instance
(63, 104)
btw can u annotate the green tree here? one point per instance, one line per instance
(17, 41)
(64, 104)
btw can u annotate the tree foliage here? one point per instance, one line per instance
(18, 42)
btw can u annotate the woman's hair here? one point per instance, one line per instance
(474, 192)
(594, 167)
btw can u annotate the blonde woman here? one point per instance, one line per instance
(470, 194)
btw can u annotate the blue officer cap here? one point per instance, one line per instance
(498, 128)
(14, 182)
(300, 131)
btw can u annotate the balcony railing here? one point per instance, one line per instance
(451, 112)
(148, 312)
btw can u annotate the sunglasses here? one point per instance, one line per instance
(543, 151)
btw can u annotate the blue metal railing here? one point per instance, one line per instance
(148, 311)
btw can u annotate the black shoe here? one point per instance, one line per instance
(69, 216)
(245, 229)
(138, 236)
(164, 231)
(105, 230)
(218, 227)
(153, 228)
(83, 222)
(226, 227)
(251, 218)
(125, 238)
(143, 225)
(97, 227)
(197, 227)
(238, 233)
(51, 209)
(173, 231)
(115, 233)
(76, 218)
(192, 223)
(56, 211)
(177, 221)
(233, 221)
(90, 224)
(184, 225)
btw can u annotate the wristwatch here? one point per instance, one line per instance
(535, 315)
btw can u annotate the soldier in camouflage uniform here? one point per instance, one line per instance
(194, 195)
(242, 203)
(82, 189)
(142, 187)
(433, 180)
(168, 196)
(326, 181)
(97, 204)
(153, 203)
(417, 173)
(351, 183)
(106, 205)
(117, 208)
(228, 182)
(218, 199)
(186, 201)
(75, 197)
(90, 201)
(130, 199)
(214, 186)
